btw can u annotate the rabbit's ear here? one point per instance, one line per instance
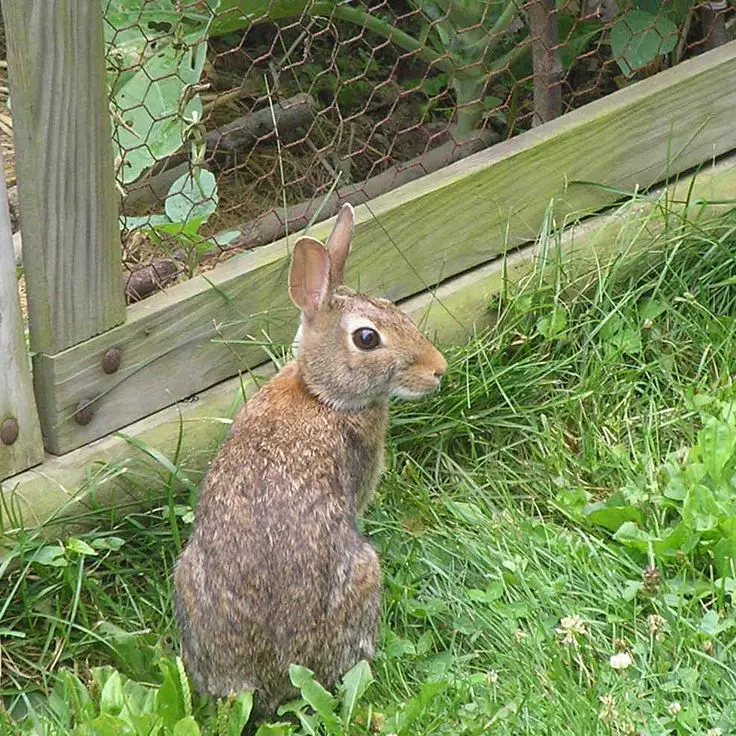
(309, 275)
(339, 243)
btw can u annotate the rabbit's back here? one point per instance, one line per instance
(275, 572)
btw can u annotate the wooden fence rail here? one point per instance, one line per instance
(98, 367)
(213, 326)
(20, 433)
(70, 487)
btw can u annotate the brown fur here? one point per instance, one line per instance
(275, 572)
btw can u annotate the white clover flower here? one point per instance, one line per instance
(570, 628)
(608, 712)
(714, 732)
(492, 677)
(656, 623)
(621, 661)
(674, 708)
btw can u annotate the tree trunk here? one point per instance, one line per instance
(548, 72)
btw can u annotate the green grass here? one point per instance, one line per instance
(504, 602)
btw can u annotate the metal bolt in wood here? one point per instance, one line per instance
(9, 431)
(111, 360)
(84, 413)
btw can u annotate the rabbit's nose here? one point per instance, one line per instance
(440, 366)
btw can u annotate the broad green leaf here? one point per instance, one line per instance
(700, 509)
(631, 589)
(509, 709)
(354, 684)
(275, 729)
(552, 326)
(139, 222)
(187, 726)
(575, 35)
(149, 105)
(724, 556)
(632, 536)
(319, 699)
(638, 38)
(108, 725)
(717, 440)
(139, 699)
(111, 543)
(111, 697)
(677, 481)
(492, 593)
(146, 724)
(395, 647)
(426, 608)
(192, 196)
(132, 26)
(71, 697)
(239, 713)
(310, 722)
(651, 309)
(612, 516)
(135, 653)
(170, 701)
(709, 623)
(682, 538)
(79, 547)
(52, 555)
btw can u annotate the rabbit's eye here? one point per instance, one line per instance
(366, 339)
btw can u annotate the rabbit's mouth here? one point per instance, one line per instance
(403, 392)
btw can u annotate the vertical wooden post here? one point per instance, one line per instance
(64, 159)
(20, 434)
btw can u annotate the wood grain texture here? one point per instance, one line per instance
(65, 171)
(406, 241)
(17, 402)
(63, 486)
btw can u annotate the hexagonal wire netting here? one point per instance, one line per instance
(239, 121)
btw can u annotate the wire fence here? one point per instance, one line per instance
(238, 121)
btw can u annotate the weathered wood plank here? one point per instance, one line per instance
(414, 237)
(64, 485)
(113, 471)
(20, 432)
(65, 170)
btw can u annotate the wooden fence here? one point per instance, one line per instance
(108, 379)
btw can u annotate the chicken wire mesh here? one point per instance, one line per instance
(236, 122)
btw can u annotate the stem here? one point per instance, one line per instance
(389, 32)
(500, 26)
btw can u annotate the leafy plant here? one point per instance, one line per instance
(113, 704)
(156, 51)
(690, 508)
(190, 202)
(644, 31)
(320, 712)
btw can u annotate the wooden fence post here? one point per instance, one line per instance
(66, 184)
(20, 433)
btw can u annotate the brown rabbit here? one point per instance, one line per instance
(275, 572)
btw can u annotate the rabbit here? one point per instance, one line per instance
(275, 571)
